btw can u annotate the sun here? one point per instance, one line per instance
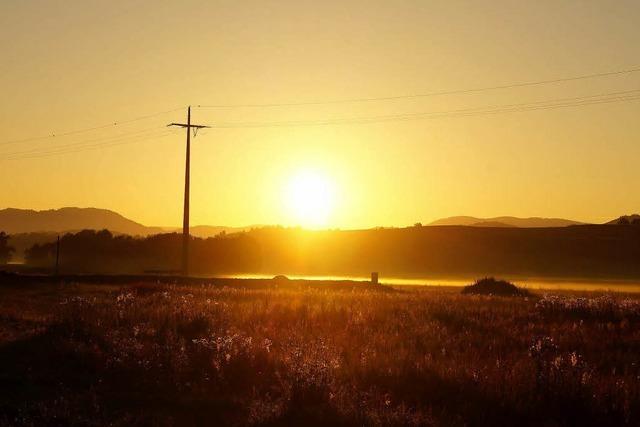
(309, 198)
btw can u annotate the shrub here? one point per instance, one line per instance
(492, 286)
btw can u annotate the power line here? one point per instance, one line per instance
(346, 121)
(601, 98)
(87, 147)
(89, 129)
(370, 99)
(159, 135)
(83, 142)
(427, 94)
(145, 134)
(623, 96)
(90, 148)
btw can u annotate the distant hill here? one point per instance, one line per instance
(15, 221)
(506, 221)
(626, 219)
(21, 221)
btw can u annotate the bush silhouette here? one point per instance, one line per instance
(492, 286)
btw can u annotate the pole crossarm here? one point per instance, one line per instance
(186, 125)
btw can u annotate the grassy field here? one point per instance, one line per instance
(302, 354)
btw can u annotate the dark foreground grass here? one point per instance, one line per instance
(201, 355)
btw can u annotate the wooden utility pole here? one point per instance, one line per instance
(58, 256)
(185, 219)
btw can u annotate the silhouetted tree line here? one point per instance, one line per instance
(5, 249)
(101, 252)
(627, 221)
(578, 251)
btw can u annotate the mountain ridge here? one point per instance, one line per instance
(73, 219)
(13, 221)
(506, 221)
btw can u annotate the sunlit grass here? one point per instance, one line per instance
(175, 355)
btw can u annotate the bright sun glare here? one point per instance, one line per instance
(310, 198)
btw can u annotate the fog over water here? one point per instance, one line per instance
(529, 283)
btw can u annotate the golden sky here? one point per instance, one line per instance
(78, 64)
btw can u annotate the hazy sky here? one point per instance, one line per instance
(70, 65)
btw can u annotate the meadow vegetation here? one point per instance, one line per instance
(296, 354)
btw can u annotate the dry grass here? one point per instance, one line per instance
(171, 355)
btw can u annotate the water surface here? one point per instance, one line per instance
(603, 285)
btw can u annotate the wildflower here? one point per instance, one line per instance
(573, 357)
(124, 298)
(542, 345)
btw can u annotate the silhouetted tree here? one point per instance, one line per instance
(623, 221)
(5, 249)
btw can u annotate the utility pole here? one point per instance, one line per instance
(185, 219)
(58, 256)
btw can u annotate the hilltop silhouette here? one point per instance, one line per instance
(14, 221)
(72, 219)
(506, 221)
